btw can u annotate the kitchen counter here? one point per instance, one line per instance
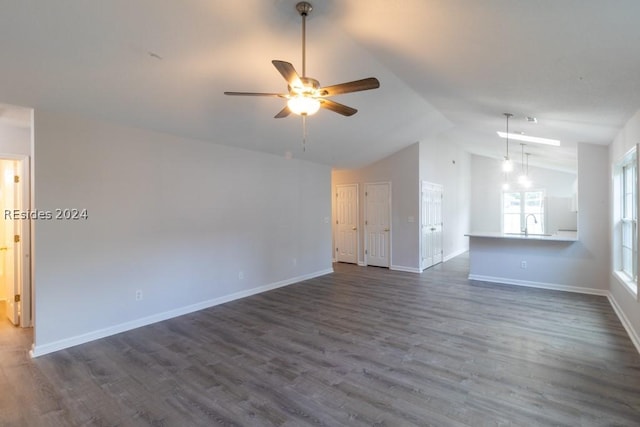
(560, 236)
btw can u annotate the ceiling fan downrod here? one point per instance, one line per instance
(303, 9)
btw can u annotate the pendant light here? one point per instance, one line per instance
(523, 176)
(507, 164)
(527, 182)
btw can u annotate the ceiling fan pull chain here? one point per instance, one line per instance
(304, 134)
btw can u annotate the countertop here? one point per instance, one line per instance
(560, 236)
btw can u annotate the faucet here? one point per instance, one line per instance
(526, 222)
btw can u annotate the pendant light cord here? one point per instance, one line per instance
(508, 115)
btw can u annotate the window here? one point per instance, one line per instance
(523, 210)
(626, 220)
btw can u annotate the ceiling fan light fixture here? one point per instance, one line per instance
(303, 105)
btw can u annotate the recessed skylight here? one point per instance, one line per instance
(527, 138)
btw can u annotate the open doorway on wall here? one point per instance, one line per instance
(16, 290)
(15, 266)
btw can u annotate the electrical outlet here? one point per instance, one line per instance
(294, 262)
(138, 294)
(523, 264)
(241, 275)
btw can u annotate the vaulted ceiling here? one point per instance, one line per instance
(448, 70)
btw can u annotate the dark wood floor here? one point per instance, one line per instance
(360, 347)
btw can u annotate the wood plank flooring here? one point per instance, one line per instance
(360, 347)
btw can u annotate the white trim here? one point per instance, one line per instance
(635, 339)
(405, 269)
(455, 254)
(362, 264)
(541, 285)
(40, 350)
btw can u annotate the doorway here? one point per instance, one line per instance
(377, 224)
(346, 238)
(15, 265)
(431, 235)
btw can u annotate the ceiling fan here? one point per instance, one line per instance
(305, 96)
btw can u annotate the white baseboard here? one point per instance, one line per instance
(542, 285)
(40, 350)
(362, 264)
(406, 269)
(635, 338)
(455, 254)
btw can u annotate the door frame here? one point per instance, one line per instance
(357, 216)
(24, 255)
(365, 240)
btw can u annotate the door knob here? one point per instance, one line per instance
(386, 229)
(4, 248)
(354, 228)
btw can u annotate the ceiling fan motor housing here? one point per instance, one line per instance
(304, 8)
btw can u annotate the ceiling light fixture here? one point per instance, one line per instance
(523, 179)
(303, 105)
(507, 164)
(526, 138)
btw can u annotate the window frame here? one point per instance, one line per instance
(541, 217)
(625, 217)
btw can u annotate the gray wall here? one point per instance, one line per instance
(446, 164)
(178, 219)
(579, 266)
(15, 140)
(626, 303)
(425, 161)
(401, 169)
(486, 193)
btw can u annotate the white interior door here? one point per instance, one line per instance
(346, 239)
(431, 224)
(10, 274)
(377, 224)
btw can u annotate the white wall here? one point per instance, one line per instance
(176, 218)
(401, 169)
(627, 305)
(580, 266)
(448, 165)
(486, 193)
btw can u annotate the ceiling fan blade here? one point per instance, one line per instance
(288, 72)
(283, 113)
(354, 86)
(278, 95)
(338, 108)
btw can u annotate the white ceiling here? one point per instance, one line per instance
(448, 70)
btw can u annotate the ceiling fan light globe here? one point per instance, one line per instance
(303, 105)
